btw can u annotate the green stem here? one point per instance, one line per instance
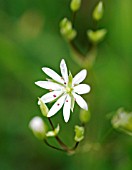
(64, 147)
(76, 145)
(46, 142)
(73, 18)
(58, 139)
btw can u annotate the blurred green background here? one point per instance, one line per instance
(29, 40)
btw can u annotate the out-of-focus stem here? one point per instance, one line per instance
(73, 18)
(84, 60)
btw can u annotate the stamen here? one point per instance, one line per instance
(75, 85)
(54, 95)
(58, 104)
(50, 90)
(64, 82)
(66, 100)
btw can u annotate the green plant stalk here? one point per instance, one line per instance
(63, 146)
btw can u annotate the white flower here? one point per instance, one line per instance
(65, 89)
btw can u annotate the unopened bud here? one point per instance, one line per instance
(96, 36)
(79, 133)
(44, 109)
(84, 116)
(98, 11)
(66, 29)
(122, 120)
(38, 127)
(75, 5)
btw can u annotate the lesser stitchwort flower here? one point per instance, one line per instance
(66, 90)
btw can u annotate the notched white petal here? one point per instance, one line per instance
(82, 88)
(57, 106)
(80, 101)
(79, 77)
(64, 71)
(53, 75)
(51, 96)
(49, 85)
(66, 108)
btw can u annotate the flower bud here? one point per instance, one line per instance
(66, 29)
(122, 120)
(53, 133)
(84, 116)
(79, 133)
(96, 36)
(38, 127)
(98, 11)
(75, 5)
(44, 109)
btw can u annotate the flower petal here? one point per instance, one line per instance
(80, 101)
(82, 88)
(66, 108)
(79, 77)
(53, 75)
(57, 106)
(64, 72)
(51, 96)
(49, 85)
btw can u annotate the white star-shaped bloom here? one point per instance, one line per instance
(64, 90)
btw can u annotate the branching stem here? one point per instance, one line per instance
(46, 142)
(63, 146)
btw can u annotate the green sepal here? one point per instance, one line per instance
(44, 109)
(70, 78)
(96, 36)
(79, 133)
(51, 80)
(72, 102)
(54, 132)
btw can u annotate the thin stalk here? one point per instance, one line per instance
(58, 139)
(64, 147)
(73, 18)
(51, 146)
(76, 145)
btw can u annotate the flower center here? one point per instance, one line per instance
(68, 89)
